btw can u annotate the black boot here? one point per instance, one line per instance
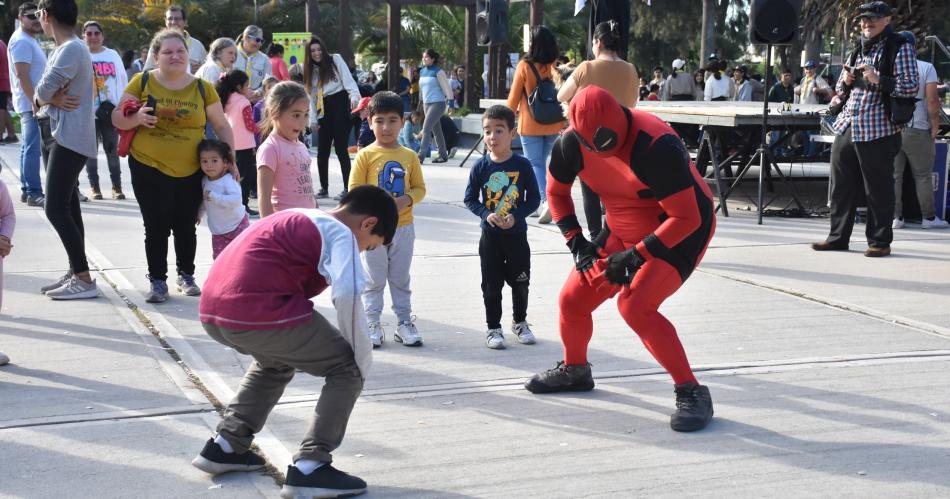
(563, 378)
(694, 408)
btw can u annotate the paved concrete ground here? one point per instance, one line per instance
(827, 372)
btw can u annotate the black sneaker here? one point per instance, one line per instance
(322, 194)
(214, 460)
(563, 378)
(694, 408)
(251, 212)
(325, 481)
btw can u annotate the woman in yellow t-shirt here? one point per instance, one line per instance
(163, 158)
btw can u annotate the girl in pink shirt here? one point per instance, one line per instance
(7, 222)
(283, 162)
(234, 89)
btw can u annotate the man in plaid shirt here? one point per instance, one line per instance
(866, 141)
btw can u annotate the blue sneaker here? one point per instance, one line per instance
(159, 291)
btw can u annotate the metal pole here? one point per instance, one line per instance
(764, 160)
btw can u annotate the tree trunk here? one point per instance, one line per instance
(471, 49)
(708, 41)
(393, 71)
(313, 16)
(537, 13)
(346, 33)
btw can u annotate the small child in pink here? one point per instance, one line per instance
(227, 217)
(233, 88)
(283, 162)
(7, 222)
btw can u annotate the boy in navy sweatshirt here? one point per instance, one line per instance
(502, 191)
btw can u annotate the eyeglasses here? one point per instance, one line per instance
(174, 19)
(255, 39)
(34, 16)
(93, 33)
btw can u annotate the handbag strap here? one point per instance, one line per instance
(537, 75)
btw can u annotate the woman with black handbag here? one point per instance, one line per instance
(110, 80)
(540, 119)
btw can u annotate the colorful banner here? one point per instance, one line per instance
(294, 45)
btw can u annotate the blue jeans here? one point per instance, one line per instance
(537, 148)
(30, 156)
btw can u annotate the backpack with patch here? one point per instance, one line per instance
(543, 103)
(392, 179)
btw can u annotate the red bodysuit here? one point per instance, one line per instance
(655, 201)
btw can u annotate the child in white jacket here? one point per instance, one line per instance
(223, 204)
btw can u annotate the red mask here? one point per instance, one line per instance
(599, 121)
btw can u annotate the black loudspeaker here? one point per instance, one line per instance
(491, 22)
(774, 21)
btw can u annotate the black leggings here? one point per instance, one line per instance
(335, 127)
(247, 167)
(168, 204)
(62, 203)
(504, 258)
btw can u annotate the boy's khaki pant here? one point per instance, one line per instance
(316, 348)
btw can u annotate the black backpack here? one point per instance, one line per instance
(450, 132)
(900, 110)
(542, 103)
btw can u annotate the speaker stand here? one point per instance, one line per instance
(766, 162)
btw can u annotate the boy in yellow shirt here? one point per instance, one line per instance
(395, 169)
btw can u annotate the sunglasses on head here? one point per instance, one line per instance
(255, 39)
(34, 16)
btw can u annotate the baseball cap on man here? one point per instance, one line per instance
(874, 10)
(810, 63)
(678, 64)
(254, 31)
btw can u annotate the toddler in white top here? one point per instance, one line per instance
(223, 205)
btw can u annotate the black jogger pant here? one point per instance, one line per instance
(168, 205)
(62, 203)
(504, 258)
(868, 168)
(247, 167)
(334, 132)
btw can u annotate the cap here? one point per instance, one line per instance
(678, 64)
(909, 37)
(253, 30)
(810, 63)
(713, 56)
(364, 103)
(874, 10)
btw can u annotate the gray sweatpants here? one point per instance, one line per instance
(390, 263)
(315, 347)
(431, 125)
(917, 148)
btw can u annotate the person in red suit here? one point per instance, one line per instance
(660, 219)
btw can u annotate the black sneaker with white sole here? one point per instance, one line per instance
(563, 378)
(694, 407)
(214, 460)
(325, 481)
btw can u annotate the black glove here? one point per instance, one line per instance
(623, 265)
(585, 253)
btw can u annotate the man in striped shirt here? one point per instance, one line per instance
(867, 141)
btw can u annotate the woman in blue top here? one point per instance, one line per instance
(434, 87)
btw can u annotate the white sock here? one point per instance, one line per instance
(308, 466)
(225, 446)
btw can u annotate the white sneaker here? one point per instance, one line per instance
(4, 359)
(495, 339)
(936, 223)
(523, 331)
(407, 334)
(898, 223)
(58, 284)
(376, 334)
(545, 217)
(75, 289)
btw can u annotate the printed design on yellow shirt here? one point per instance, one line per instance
(175, 111)
(392, 179)
(501, 192)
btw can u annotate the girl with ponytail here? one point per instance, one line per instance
(234, 89)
